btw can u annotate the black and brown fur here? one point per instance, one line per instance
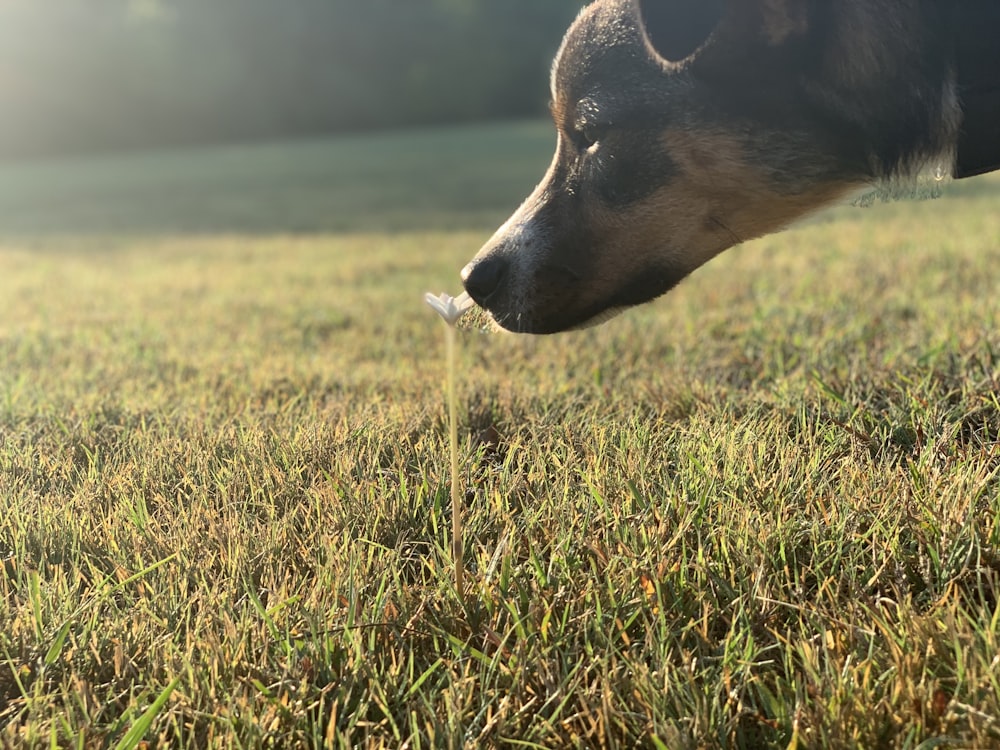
(688, 126)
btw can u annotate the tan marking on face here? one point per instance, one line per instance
(651, 232)
(717, 174)
(716, 201)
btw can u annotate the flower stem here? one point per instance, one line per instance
(457, 549)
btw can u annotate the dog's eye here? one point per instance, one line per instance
(586, 137)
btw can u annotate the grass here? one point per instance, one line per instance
(761, 512)
(427, 180)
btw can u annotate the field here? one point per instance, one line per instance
(761, 512)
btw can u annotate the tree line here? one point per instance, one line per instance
(79, 75)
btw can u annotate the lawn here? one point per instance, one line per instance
(761, 512)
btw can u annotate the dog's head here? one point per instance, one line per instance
(681, 132)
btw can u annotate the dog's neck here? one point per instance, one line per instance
(977, 66)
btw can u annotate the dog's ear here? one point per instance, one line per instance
(677, 28)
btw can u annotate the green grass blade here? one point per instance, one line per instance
(138, 731)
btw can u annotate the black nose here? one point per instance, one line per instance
(483, 277)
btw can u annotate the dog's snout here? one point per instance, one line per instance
(483, 276)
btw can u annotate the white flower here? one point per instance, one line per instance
(450, 308)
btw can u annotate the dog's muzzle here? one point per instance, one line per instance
(484, 277)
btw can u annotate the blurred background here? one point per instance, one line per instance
(167, 117)
(86, 76)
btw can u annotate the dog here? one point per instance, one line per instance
(688, 126)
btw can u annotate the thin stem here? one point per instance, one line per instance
(457, 548)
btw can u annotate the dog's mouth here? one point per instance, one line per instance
(572, 305)
(537, 317)
(525, 322)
